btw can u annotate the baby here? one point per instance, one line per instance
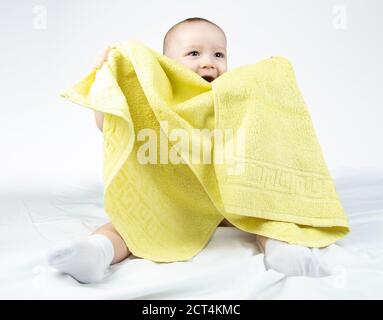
(200, 45)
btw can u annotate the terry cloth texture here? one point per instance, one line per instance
(267, 173)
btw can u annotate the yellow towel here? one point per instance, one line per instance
(268, 177)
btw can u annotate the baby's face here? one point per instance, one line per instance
(201, 47)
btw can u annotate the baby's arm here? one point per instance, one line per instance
(102, 57)
(99, 116)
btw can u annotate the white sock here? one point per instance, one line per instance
(86, 260)
(292, 260)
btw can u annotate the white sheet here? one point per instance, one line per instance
(230, 267)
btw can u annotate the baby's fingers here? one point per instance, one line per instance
(101, 58)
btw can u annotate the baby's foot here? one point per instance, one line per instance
(291, 259)
(85, 260)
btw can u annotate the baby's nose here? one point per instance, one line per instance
(207, 64)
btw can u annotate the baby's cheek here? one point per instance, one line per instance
(223, 67)
(188, 64)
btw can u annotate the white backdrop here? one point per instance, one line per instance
(46, 46)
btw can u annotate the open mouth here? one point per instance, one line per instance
(208, 78)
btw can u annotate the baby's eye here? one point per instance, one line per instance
(219, 55)
(193, 53)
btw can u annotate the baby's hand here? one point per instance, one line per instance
(101, 58)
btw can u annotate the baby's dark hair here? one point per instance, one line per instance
(193, 19)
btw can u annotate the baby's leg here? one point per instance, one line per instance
(87, 260)
(121, 251)
(290, 259)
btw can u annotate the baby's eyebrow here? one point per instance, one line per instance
(196, 46)
(221, 48)
(193, 46)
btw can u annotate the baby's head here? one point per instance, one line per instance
(200, 45)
